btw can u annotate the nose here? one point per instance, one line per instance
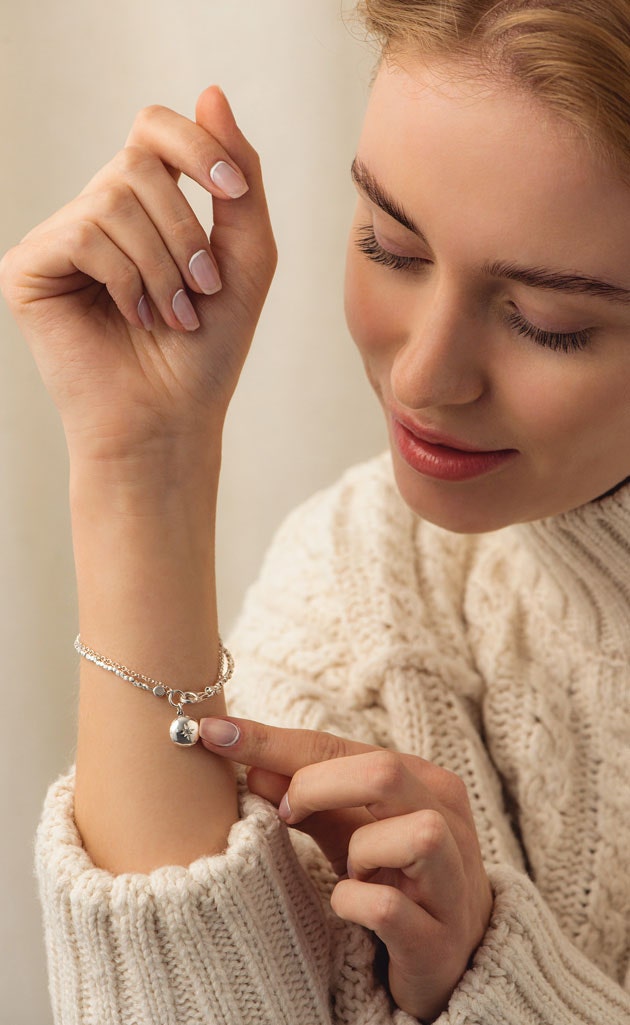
(441, 360)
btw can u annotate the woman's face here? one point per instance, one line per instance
(496, 318)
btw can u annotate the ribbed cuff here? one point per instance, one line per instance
(233, 939)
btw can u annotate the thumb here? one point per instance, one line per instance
(247, 216)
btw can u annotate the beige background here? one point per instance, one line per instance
(72, 76)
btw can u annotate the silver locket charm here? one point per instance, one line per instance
(184, 731)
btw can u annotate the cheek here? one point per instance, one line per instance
(372, 313)
(578, 410)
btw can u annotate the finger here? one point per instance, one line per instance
(205, 148)
(138, 173)
(246, 223)
(241, 238)
(144, 213)
(424, 961)
(330, 830)
(403, 926)
(186, 147)
(423, 848)
(378, 780)
(272, 747)
(165, 242)
(80, 247)
(270, 785)
(123, 219)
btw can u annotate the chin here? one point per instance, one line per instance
(473, 507)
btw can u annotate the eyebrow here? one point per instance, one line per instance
(367, 183)
(531, 277)
(559, 281)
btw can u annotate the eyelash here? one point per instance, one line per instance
(571, 342)
(367, 244)
(574, 341)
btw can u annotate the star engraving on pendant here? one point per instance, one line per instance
(186, 731)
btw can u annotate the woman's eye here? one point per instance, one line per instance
(572, 341)
(367, 244)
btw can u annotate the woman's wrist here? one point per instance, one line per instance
(170, 481)
(143, 537)
(144, 554)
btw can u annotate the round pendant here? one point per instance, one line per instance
(184, 731)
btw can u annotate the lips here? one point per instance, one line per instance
(437, 438)
(442, 456)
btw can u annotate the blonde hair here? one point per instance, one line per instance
(573, 55)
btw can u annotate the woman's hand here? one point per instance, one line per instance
(403, 830)
(117, 293)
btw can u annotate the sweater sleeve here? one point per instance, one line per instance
(234, 938)
(526, 971)
(249, 936)
(381, 685)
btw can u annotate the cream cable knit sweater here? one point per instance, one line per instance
(504, 657)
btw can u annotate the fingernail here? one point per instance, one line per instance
(184, 311)
(204, 272)
(349, 869)
(219, 732)
(144, 312)
(284, 808)
(229, 180)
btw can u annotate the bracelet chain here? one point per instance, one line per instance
(176, 698)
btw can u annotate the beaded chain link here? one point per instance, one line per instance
(183, 730)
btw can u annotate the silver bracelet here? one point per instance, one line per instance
(183, 730)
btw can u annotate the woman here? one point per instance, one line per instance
(439, 707)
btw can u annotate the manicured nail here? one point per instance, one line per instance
(184, 311)
(229, 180)
(204, 272)
(219, 732)
(144, 312)
(284, 808)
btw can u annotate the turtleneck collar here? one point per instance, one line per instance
(587, 551)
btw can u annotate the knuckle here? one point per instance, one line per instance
(158, 266)
(268, 259)
(385, 908)
(325, 746)
(453, 790)
(128, 277)
(132, 159)
(83, 234)
(386, 771)
(115, 200)
(148, 115)
(182, 229)
(259, 739)
(431, 833)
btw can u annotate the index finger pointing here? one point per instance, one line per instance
(273, 747)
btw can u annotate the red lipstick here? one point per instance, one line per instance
(443, 457)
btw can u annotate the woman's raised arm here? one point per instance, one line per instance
(142, 378)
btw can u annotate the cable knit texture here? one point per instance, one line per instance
(503, 657)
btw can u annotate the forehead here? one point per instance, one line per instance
(465, 153)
